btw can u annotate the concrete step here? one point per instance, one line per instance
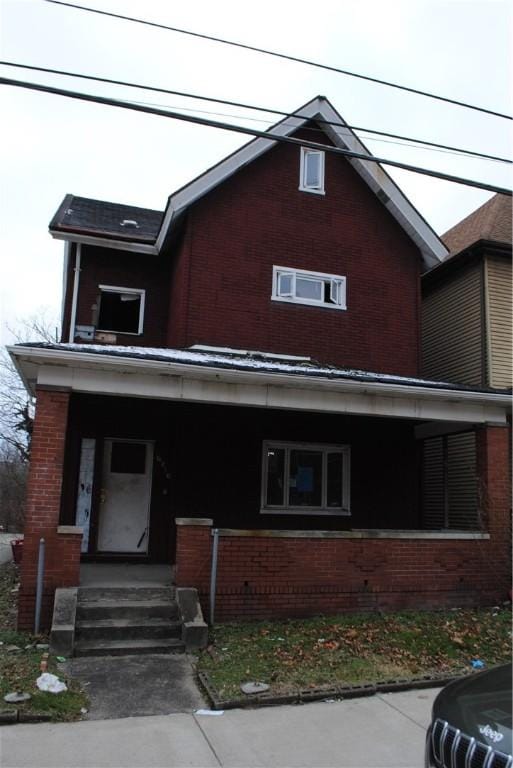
(127, 647)
(115, 594)
(127, 629)
(127, 609)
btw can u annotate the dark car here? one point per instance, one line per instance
(471, 722)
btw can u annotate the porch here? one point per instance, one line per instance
(314, 485)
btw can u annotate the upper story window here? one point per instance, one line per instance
(121, 310)
(311, 171)
(314, 288)
(304, 478)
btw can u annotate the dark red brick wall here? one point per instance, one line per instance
(102, 266)
(493, 446)
(258, 219)
(213, 284)
(261, 577)
(179, 293)
(62, 551)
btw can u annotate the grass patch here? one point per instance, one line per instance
(19, 669)
(354, 648)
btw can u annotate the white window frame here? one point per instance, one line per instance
(118, 289)
(323, 510)
(317, 189)
(338, 284)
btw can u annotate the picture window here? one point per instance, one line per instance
(305, 479)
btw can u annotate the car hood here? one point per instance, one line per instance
(480, 706)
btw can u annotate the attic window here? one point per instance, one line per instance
(130, 223)
(121, 310)
(311, 171)
(316, 288)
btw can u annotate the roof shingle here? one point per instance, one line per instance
(111, 220)
(492, 221)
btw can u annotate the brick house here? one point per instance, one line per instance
(237, 393)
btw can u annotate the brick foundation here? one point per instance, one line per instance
(62, 547)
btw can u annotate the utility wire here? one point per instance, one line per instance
(272, 138)
(296, 59)
(253, 107)
(405, 143)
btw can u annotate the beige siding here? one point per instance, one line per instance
(450, 491)
(498, 290)
(452, 335)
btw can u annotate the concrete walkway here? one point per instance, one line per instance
(135, 686)
(385, 731)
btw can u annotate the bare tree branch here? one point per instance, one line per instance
(16, 405)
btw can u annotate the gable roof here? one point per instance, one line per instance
(432, 249)
(111, 221)
(492, 222)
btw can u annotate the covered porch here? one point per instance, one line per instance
(304, 491)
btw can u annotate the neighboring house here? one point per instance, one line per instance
(243, 370)
(467, 339)
(466, 302)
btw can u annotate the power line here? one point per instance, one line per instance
(253, 107)
(273, 138)
(296, 59)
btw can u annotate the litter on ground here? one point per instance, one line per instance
(50, 683)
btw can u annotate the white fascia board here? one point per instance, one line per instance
(105, 374)
(179, 201)
(432, 249)
(105, 242)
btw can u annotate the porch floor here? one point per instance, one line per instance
(125, 575)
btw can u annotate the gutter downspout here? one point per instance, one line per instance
(67, 253)
(76, 280)
(213, 573)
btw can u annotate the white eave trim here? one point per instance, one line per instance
(432, 249)
(105, 242)
(108, 374)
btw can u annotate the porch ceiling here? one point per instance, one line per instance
(95, 373)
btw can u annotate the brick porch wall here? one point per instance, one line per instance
(272, 574)
(62, 546)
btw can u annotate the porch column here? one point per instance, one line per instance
(494, 499)
(62, 556)
(193, 555)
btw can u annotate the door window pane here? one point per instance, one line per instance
(305, 479)
(128, 458)
(334, 489)
(275, 475)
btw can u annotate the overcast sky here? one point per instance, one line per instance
(51, 146)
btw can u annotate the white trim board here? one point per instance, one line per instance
(110, 375)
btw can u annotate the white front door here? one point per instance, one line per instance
(125, 496)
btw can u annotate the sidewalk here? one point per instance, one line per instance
(384, 731)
